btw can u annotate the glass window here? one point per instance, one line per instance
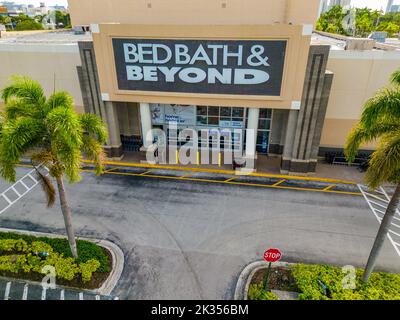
(201, 120)
(237, 112)
(213, 121)
(264, 124)
(226, 112)
(201, 110)
(213, 111)
(265, 113)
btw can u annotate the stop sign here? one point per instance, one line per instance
(272, 255)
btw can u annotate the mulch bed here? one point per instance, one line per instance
(280, 278)
(97, 280)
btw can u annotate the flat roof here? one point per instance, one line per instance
(44, 37)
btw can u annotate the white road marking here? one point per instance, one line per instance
(19, 195)
(62, 296)
(25, 293)
(384, 199)
(7, 292)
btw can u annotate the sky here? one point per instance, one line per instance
(374, 4)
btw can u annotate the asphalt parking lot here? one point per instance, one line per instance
(190, 240)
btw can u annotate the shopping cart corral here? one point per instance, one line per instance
(338, 158)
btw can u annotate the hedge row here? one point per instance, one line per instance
(324, 282)
(86, 250)
(17, 256)
(309, 278)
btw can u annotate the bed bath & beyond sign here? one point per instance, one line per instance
(200, 66)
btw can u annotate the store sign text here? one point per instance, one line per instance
(200, 66)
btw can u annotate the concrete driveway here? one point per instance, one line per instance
(186, 240)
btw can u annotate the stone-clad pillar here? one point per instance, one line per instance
(93, 100)
(304, 126)
(113, 148)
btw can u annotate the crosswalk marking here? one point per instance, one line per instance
(25, 293)
(381, 200)
(44, 290)
(20, 194)
(7, 292)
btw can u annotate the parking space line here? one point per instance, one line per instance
(7, 292)
(230, 179)
(233, 183)
(144, 173)
(330, 187)
(366, 195)
(279, 182)
(25, 293)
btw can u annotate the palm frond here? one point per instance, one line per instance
(43, 157)
(17, 137)
(362, 134)
(59, 99)
(47, 187)
(18, 108)
(94, 151)
(385, 104)
(26, 89)
(395, 79)
(93, 125)
(385, 161)
(65, 128)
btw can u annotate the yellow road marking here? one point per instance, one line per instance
(278, 183)
(144, 173)
(186, 175)
(230, 179)
(330, 187)
(227, 172)
(234, 183)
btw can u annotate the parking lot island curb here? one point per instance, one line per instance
(116, 254)
(244, 280)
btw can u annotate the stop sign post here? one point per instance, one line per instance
(271, 255)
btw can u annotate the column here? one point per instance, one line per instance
(114, 147)
(145, 120)
(251, 133)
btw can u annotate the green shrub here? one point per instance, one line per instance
(257, 292)
(86, 250)
(29, 25)
(26, 258)
(13, 245)
(381, 286)
(87, 268)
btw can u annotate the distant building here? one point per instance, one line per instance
(389, 6)
(326, 5)
(395, 8)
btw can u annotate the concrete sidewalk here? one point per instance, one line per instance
(268, 165)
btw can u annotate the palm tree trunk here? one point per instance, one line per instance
(383, 231)
(66, 211)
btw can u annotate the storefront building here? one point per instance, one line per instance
(250, 73)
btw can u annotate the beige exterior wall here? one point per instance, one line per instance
(204, 12)
(41, 62)
(358, 75)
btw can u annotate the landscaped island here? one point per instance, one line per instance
(24, 256)
(324, 282)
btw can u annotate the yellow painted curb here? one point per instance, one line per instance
(220, 171)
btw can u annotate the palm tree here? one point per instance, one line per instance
(380, 120)
(55, 136)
